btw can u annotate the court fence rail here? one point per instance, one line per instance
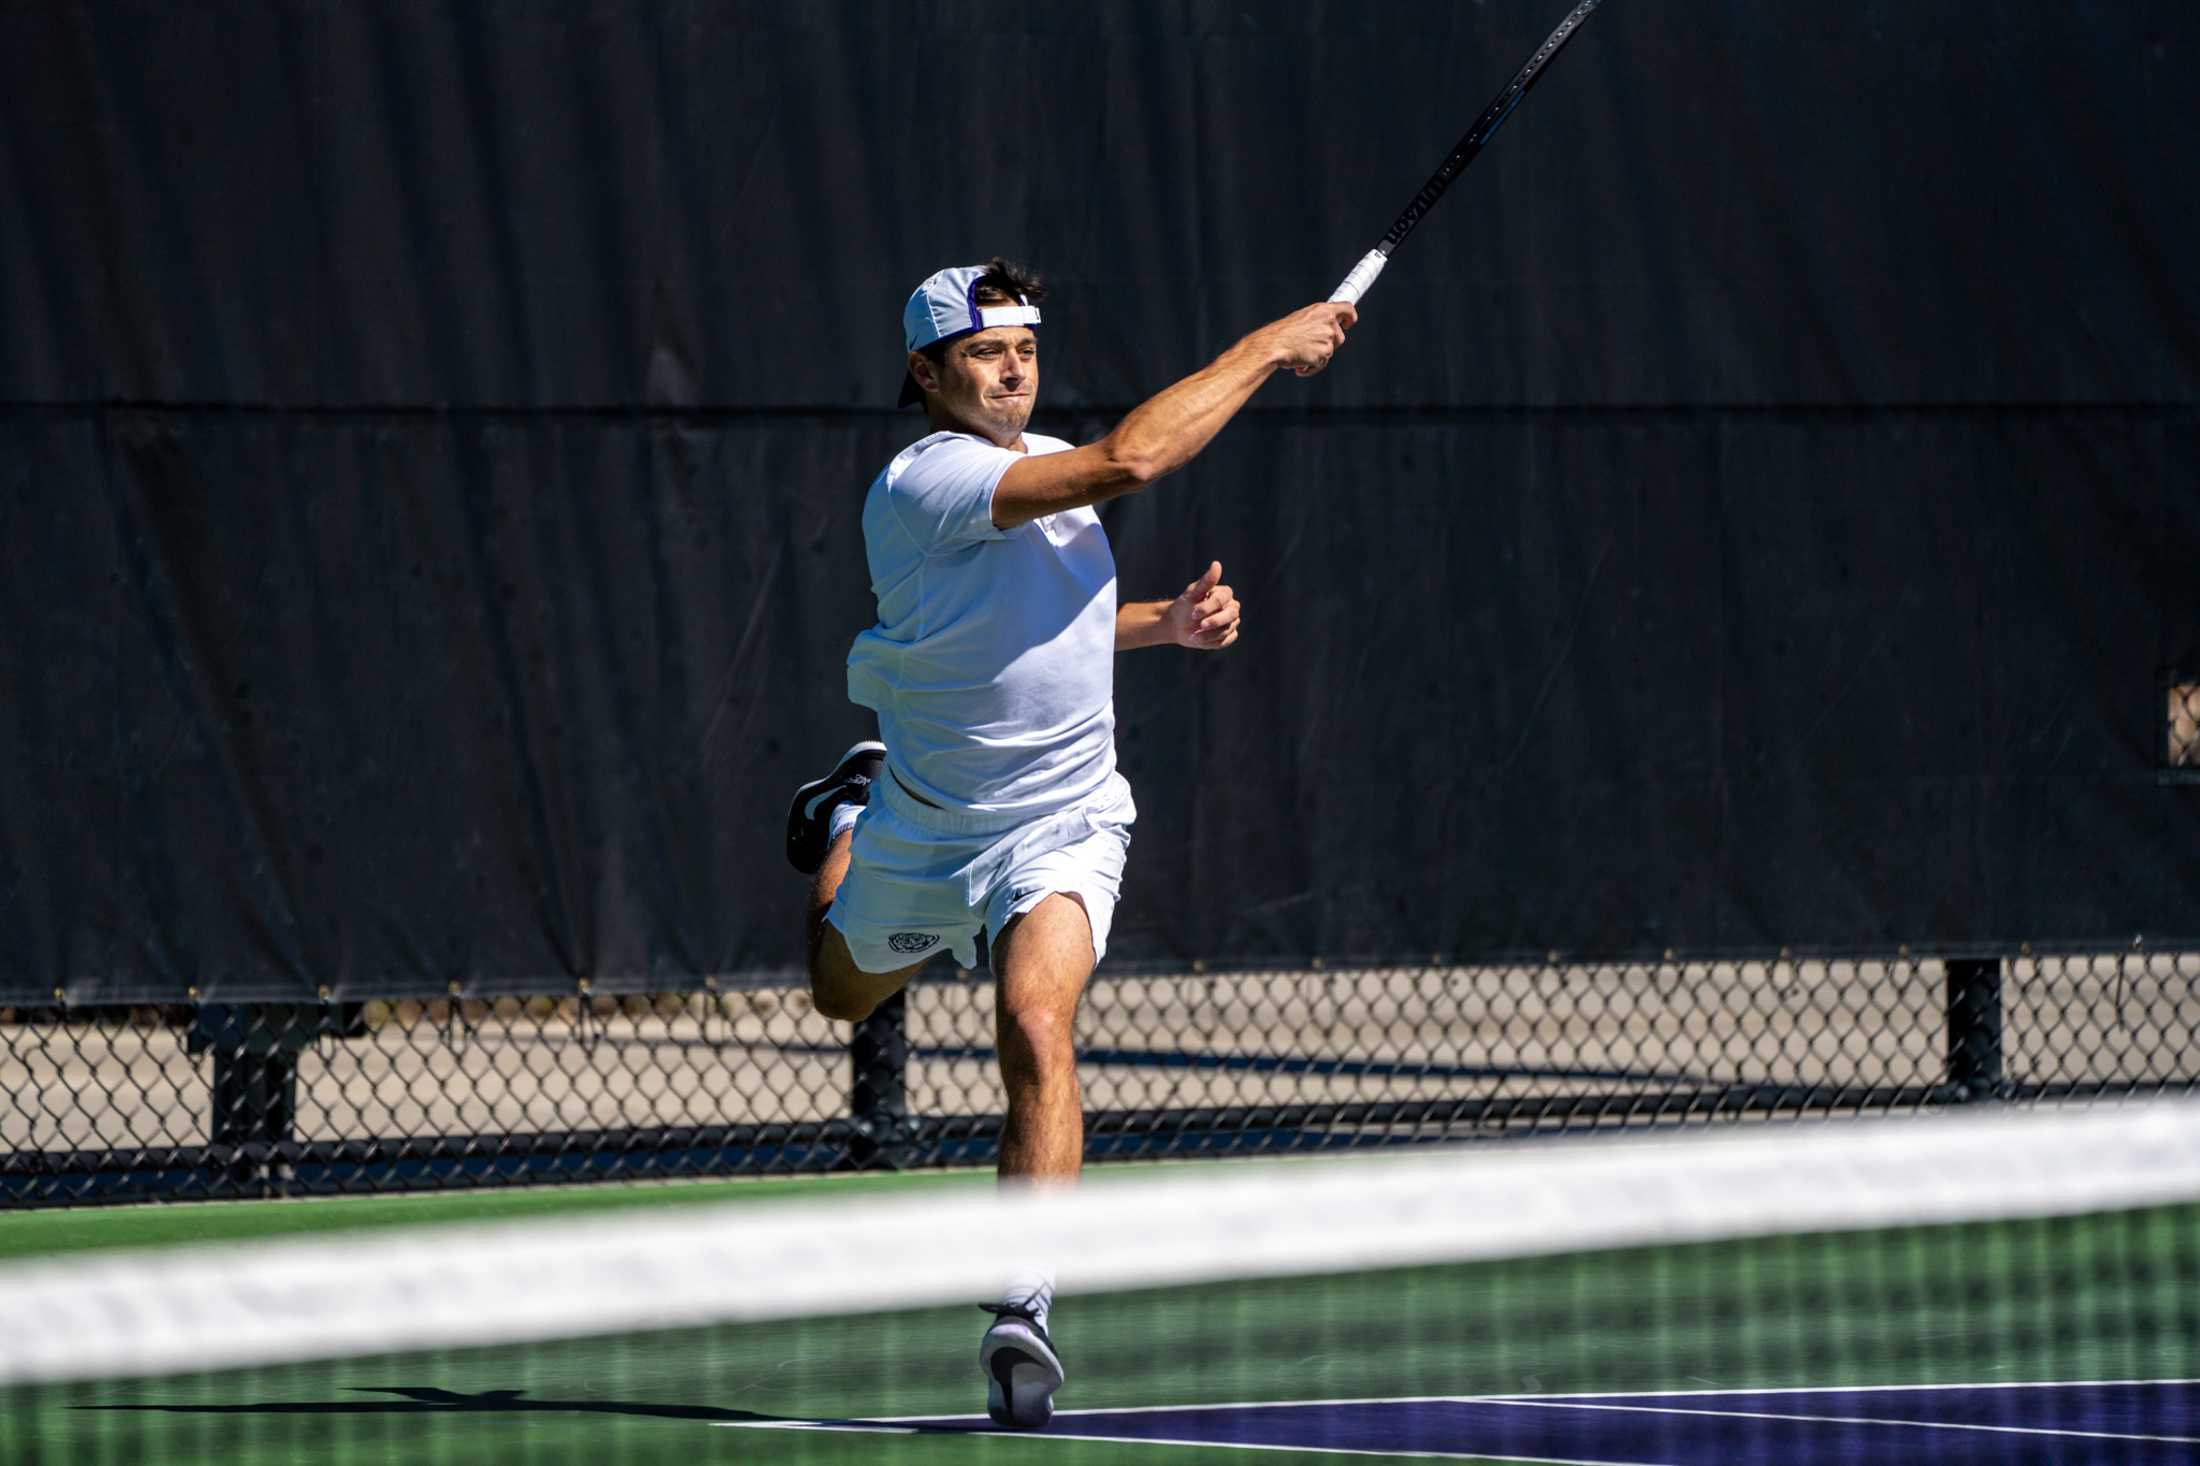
(208, 1100)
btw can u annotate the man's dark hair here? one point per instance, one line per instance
(1004, 281)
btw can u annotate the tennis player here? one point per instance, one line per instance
(993, 801)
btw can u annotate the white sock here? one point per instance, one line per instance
(843, 820)
(1032, 1289)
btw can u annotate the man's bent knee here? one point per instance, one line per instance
(841, 990)
(838, 988)
(840, 1005)
(853, 995)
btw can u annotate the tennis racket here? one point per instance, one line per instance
(1493, 117)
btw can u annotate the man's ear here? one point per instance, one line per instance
(926, 374)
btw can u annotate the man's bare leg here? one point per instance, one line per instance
(839, 988)
(1041, 965)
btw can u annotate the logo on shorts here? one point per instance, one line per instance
(911, 943)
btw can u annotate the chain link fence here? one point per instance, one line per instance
(2181, 748)
(210, 1100)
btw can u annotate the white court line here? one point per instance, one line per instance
(1244, 1405)
(1999, 1384)
(2080, 1435)
(897, 1425)
(1471, 1455)
(1559, 1396)
(1118, 1440)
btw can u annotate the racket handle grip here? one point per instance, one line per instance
(1363, 275)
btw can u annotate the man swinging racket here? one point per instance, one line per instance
(994, 800)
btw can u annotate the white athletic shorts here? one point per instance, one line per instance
(922, 880)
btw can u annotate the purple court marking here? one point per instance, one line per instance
(2133, 1423)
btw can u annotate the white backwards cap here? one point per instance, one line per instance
(945, 306)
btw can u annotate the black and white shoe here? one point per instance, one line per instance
(1022, 1371)
(810, 817)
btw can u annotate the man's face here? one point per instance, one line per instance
(987, 382)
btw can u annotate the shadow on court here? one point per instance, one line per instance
(428, 1400)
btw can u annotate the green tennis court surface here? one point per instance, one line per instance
(50, 1233)
(2096, 1298)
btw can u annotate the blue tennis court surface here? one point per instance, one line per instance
(2130, 1423)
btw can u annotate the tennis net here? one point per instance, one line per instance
(1987, 1287)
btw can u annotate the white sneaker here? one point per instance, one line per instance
(1022, 1371)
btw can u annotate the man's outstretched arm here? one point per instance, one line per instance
(1204, 617)
(1166, 431)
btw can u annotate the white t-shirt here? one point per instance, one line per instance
(992, 667)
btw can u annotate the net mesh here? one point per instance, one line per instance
(1996, 1288)
(206, 1100)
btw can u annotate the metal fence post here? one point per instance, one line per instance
(256, 1090)
(255, 1099)
(878, 1091)
(1974, 1026)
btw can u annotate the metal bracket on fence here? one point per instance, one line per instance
(878, 1088)
(1974, 1026)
